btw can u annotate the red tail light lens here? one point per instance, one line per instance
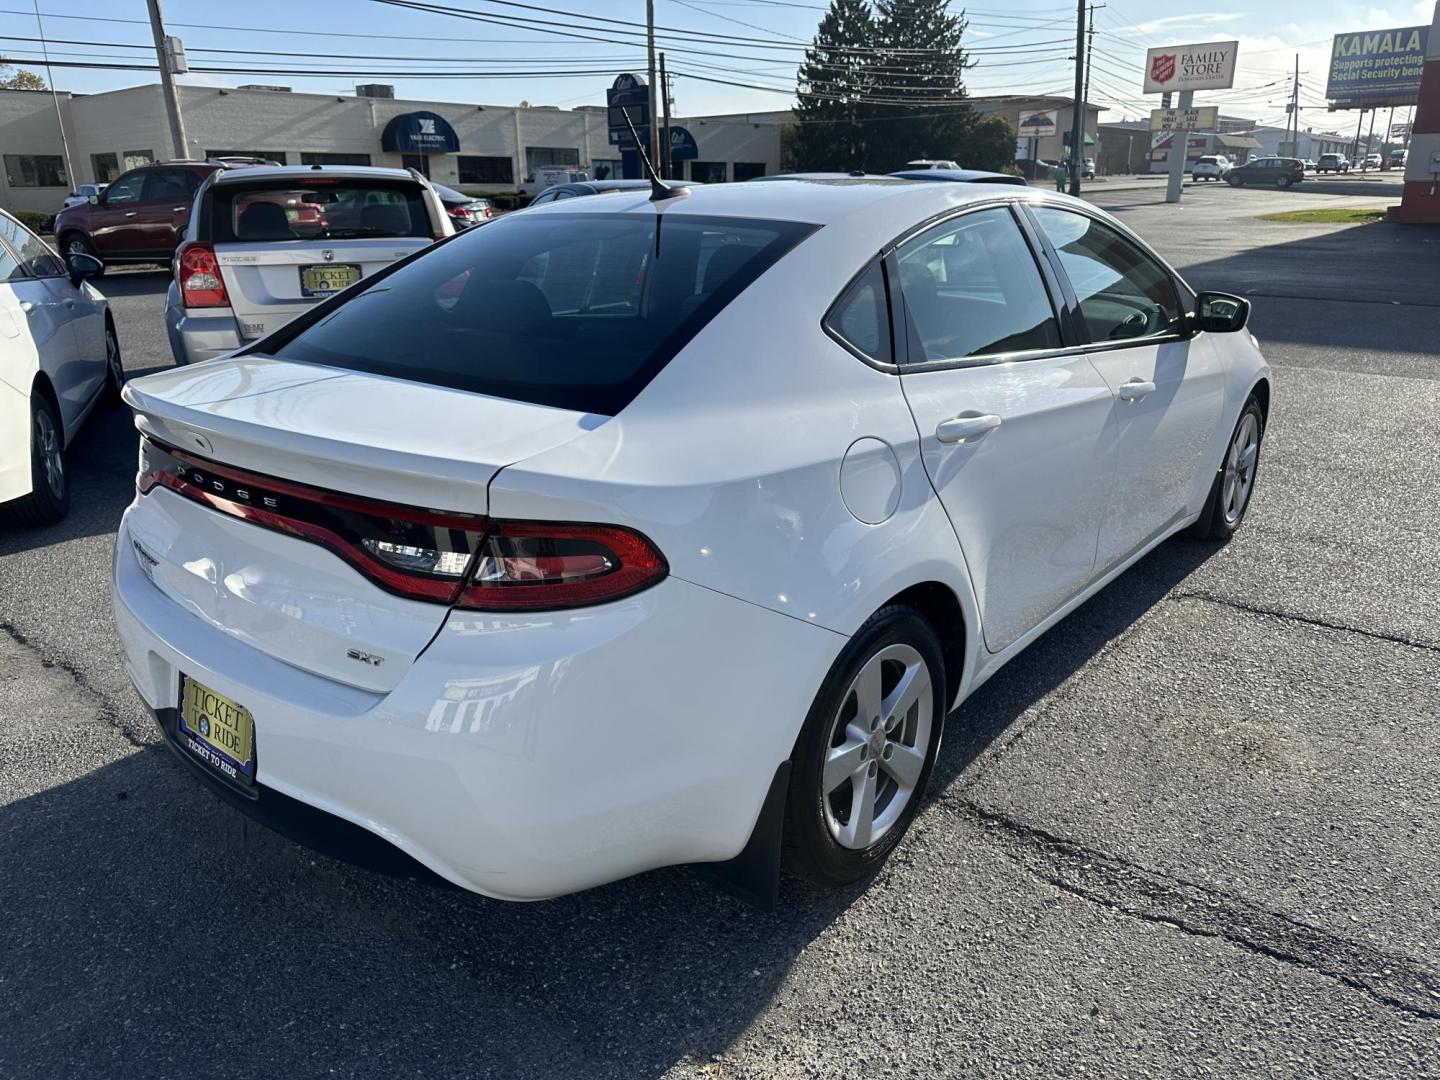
(198, 272)
(422, 554)
(536, 565)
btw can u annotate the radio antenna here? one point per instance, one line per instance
(659, 190)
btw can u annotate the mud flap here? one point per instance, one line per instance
(754, 874)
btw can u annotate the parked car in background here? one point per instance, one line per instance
(1398, 159)
(585, 188)
(959, 176)
(464, 210)
(1332, 163)
(833, 177)
(139, 217)
(1371, 161)
(1309, 164)
(59, 359)
(82, 194)
(931, 163)
(1279, 171)
(265, 244)
(1210, 167)
(483, 567)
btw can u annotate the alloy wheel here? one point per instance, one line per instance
(48, 450)
(112, 360)
(878, 745)
(1240, 468)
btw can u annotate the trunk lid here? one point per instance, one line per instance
(269, 282)
(350, 433)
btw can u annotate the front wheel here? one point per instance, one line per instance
(1234, 181)
(865, 754)
(78, 244)
(1282, 182)
(1235, 481)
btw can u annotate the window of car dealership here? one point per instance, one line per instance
(483, 147)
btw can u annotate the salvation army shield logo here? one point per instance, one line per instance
(1162, 68)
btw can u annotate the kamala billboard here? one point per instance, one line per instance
(1376, 68)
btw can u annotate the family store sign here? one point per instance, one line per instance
(1191, 67)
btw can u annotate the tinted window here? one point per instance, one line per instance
(1123, 292)
(861, 318)
(322, 207)
(163, 184)
(578, 311)
(972, 288)
(36, 260)
(125, 190)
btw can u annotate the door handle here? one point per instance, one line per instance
(960, 428)
(130, 213)
(1135, 389)
(26, 306)
(178, 209)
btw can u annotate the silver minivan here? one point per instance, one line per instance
(264, 244)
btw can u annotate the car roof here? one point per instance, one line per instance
(828, 176)
(817, 201)
(250, 173)
(959, 176)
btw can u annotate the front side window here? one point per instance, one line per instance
(1123, 292)
(319, 207)
(35, 259)
(35, 170)
(972, 288)
(576, 311)
(169, 185)
(127, 189)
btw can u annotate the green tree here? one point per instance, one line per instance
(919, 76)
(990, 144)
(19, 80)
(833, 87)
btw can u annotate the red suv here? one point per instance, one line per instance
(140, 217)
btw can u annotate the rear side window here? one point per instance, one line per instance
(578, 311)
(861, 317)
(322, 208)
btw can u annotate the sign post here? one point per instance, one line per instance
(1187, 68)
(628, 95)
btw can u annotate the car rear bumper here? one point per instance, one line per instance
(199, 334)
(520, 756)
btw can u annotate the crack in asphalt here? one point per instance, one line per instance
(1308, 620)
(1204, 911)
(108, 714)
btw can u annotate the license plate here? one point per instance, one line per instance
(218, 731)
(328, 278)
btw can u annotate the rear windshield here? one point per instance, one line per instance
(323, 208)
(578, 311)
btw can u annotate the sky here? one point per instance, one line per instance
(724, 55)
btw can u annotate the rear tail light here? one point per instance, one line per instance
(482, 564)
(198, 273)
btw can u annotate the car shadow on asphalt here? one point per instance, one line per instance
(194, 919)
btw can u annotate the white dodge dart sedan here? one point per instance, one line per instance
(645, 530)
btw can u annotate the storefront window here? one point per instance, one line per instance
(106, 166)
(334, 159)
(35, 170)
(539, 156)
(485, 170)
(135, 158)
(606, 169)
(748, 170)
(707, 172)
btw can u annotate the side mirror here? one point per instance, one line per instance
(83, 266)
(93, 200)
(1221, 313)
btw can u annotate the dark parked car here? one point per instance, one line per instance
(464, 210)
(140, 217)
(960, 176)
(1280, 171)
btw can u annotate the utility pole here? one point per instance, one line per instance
(1369, 141)
(1295, 110)
(1358, 123)
(667, 170)
(1077, 126)
(70, 176)
(650, 52)
(167, 82)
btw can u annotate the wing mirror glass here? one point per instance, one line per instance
(83, 266)
(1221, 313)
(93, 200)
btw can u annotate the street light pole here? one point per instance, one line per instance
(167, 83)
(70, 176)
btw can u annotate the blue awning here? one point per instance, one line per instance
(419, 133)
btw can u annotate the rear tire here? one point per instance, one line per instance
(1234, 181)
(49, 497)
(1234, 485)
(1283, 182)
(866, 751)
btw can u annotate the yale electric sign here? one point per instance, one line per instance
(1377, 67)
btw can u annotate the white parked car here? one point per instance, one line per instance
(931, 163)
(264, 244)
(59, 358)
(624, 533)
(83, 193)
(1210, 167)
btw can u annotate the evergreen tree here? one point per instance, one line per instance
(833, 88)
(921, 64)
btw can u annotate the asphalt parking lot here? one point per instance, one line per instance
(1191, 832)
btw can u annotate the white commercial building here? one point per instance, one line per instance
(485, 147)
